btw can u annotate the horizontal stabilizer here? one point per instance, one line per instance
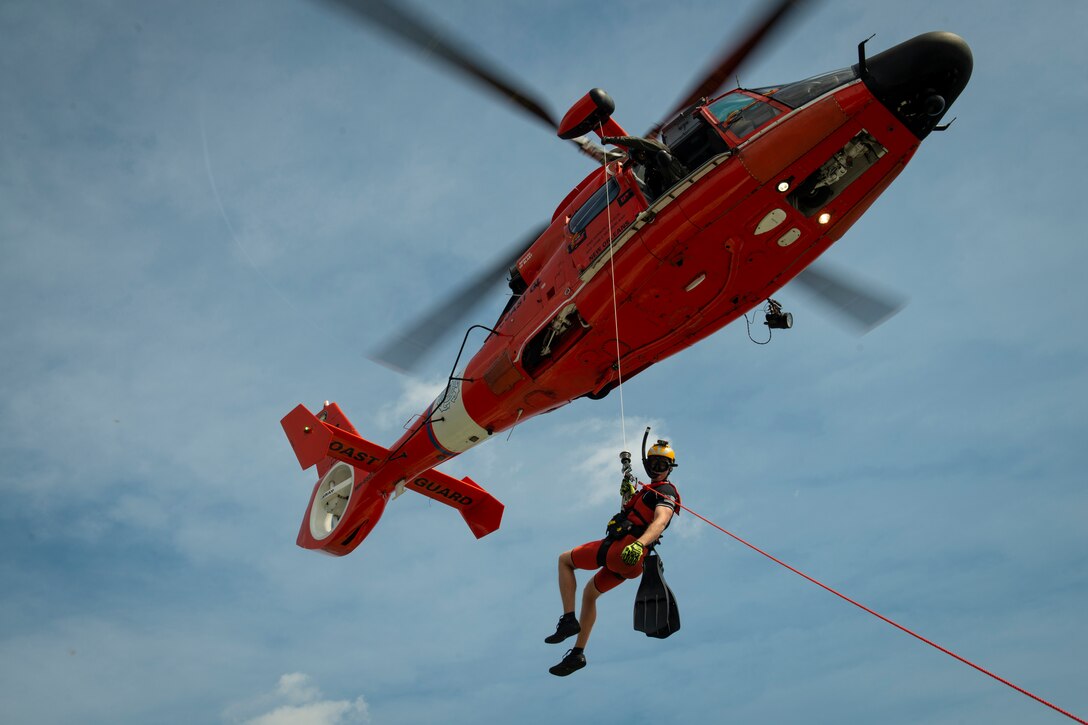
(329, 435)
(481, 511)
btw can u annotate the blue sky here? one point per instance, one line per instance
(209, 212)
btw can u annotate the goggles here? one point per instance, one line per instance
(658, 464)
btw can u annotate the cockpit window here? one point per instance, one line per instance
(733, 103)
(799, 93)
(594, 206)
(742, 114)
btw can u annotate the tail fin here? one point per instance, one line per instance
(329, 436)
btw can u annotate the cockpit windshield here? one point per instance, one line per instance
(742, 114)
(799, 93)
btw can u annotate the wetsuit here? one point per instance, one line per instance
(605, 554)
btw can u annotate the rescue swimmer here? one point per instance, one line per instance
(631, 535)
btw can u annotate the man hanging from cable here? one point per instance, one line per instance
(631, 535)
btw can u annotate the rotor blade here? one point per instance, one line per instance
(405, 351)
(864, 308)
(733, 55)
(412, 29)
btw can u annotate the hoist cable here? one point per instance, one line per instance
(876, 614)
(615, 305)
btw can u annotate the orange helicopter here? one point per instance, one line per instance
(675, 235)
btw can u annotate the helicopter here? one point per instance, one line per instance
(673, 236)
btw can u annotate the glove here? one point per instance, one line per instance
(632, 553)
(627, 488)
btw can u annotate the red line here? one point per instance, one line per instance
(898, 626)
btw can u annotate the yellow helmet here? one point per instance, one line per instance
(661, 449)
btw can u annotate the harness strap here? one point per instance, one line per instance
(602, 551)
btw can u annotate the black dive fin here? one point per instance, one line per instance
(656, 612)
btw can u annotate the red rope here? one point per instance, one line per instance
(898, 626)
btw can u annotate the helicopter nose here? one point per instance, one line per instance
(919, 79)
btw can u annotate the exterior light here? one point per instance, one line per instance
(783, 186)
(824, 218)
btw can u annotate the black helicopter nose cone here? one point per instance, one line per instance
(919, 79)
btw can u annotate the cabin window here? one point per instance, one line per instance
(837, 173)
(693, 140)
(596, 204)
(550, 343)
(742, 114)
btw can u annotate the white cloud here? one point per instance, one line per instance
(296, 688)
(596, 455)
(415, 396)
(152, 502)
(316, 713)
(297, 701)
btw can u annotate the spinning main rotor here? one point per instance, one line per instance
(405, 350)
